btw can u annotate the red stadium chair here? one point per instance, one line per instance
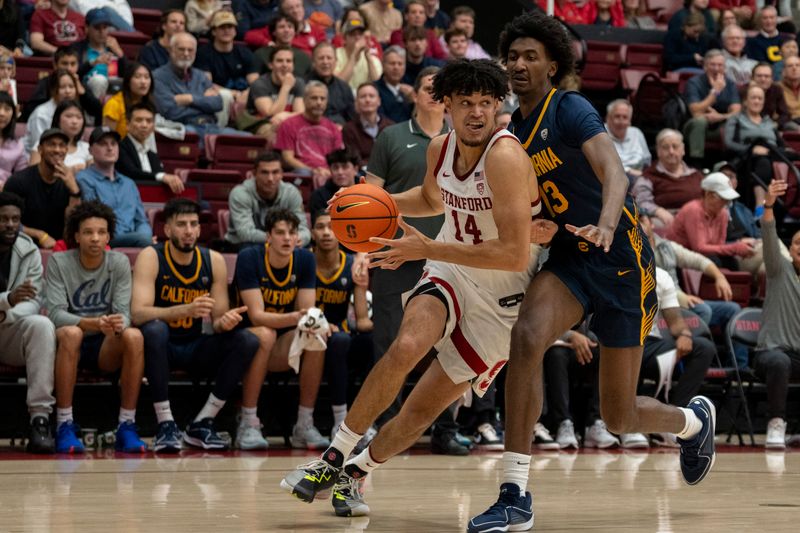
(304, 183)
(29, 71)
(697, 284)
(233, 152)
(601, 69)
(130, 253)
(214, 175)
(230, 265)
(147, 21)
(216, 194)
(176, 154)
(648, 57)
(743, 328)
(223, 221)
(156, 193)
(130, 43)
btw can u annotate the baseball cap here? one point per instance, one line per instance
(53, 132)
(103, 131)
(723, 164)
(353, 25)
(97, 16)
(222, 17)
(719, 183)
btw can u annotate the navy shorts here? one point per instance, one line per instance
(617, 288)
(90, 352)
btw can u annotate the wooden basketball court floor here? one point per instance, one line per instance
(748, 490)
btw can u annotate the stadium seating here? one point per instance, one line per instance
(304, 183)
(233, 152)
(647, 57)
(147, 21)
(29, 71)
(131, 43)
(176, 154)
(223, 221)
(601, 69)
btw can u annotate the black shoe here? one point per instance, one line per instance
(447, 445)
(40, 439)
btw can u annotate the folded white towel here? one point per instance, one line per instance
(311, 335)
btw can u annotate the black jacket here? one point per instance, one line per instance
(129, 164)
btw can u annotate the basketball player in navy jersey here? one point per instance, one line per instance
(464, 305)
(599, 262)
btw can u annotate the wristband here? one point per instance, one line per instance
(42, 237)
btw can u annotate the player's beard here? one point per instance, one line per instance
(176, 243)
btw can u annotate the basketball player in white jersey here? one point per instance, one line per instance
(468, 298)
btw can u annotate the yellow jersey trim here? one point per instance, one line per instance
(539, 120)
(174, 270)
(328, 281)
(269, 269)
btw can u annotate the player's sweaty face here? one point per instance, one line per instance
(473, 116)
(528, 65)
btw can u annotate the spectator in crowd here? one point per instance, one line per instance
(48, 188)
(766, 44)
(305, 139)
(569, 11)
(790, 84)
(13, 156)
(69, 118)
(12, 29)
(571, 360)
(102, 182)
(156, 53)
(136, 160)
(118, 12)
(65, 58)
(744, 10)
(416, 60)
(8, 74)
(738, 66)
(457, 43)
(263, 191)
(27, 337)
(667, 185)
(774, 102)
(701, 225)
(274, 97)
(232, 66)
(503, 119)
(62, 86)
(712, 98)
(137, 87)
(282, 30)
(743, 222)
(628, 140)
(670, 256)
(341, 105)
(344, 167)
(254, 14)
(414, 15)
(636, 16)
(180, 303)
(676, 21)
(185, 94)
(102, 61)
(359, 134)
(684, 51)
(326, 14)
(397, 97)
(307, 34)
(693, 353)
(464, 19)
(353, 13)
(355, 63)
(337, 282)
(606, 13)
(777, 356)
(88, 300)
(55, 27)
(788, 49)
(276, 281)
(382, 19)
(435, 18)
(198, 15)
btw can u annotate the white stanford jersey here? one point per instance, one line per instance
(468, 207)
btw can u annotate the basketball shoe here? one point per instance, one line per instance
(67, 440)
(127, 439)
(697, 453)
(486, 438)
(565, 438)
(308, 480)
(202, 434)
(512, 512)
(308, 438)
(776, 434)
(597, 436)
(543, 440)
(168, 438)
(348, 494)
(249, 437)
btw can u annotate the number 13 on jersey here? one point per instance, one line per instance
(554, 201)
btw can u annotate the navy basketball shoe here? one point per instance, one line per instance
(697, 453)
(511, 512)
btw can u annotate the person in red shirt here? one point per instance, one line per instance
(353, 13)
(744, 10)
(414, 15)
(54, 27)
(569, 11)
(306, 37)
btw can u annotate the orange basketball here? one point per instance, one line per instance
(363, 211)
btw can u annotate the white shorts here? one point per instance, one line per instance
(475, 343)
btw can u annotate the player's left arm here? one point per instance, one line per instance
(224, 319)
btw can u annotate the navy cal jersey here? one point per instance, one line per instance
(333, 294)
(181, 284)
(278, 286)
(553, 135)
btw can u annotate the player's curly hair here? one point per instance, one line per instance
(465, 76)
(84, 211)
(547, 30)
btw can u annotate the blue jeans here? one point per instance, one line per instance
(132, 240)
(117, 21)
(719, 313)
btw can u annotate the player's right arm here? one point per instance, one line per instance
(143, 296)
(363, 321)
(254, 301)
(424, 200)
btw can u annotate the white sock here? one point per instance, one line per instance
(250, 416)
(364, 462)
(305, 416)
(211, 408)
(692, 426)
(163, 411)
(339, 414)
(63, 415)
(345, 440)
(515, 469)
(127, 415)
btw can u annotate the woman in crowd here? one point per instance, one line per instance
(70, 119)
(13, 156)
(137, 85)
(62, 85)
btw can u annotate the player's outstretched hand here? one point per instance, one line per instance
(410, 247)
(543, 230)
(341, 191)
(231, 318)
(601, 237)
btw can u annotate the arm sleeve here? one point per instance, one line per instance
(378, 158)
(294, 202)
(242, 217)
(307, 270)
(206, 104)
(730, 132)
(126, 165)
(246, 275)
(28, 307)
(121, 297)
(666, 291)
(643, 193)
(284, 140)
(694, 226)
(87, 191)
(57, 300)
(165, 102)
(141, 223)
(578, 120)
(773, 259)
(693, 92)
(686, 258)
(647, 157)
